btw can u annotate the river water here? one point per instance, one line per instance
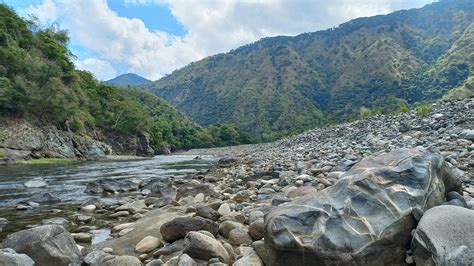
(68, 182)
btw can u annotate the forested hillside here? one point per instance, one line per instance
(284, 84)
(39, 83)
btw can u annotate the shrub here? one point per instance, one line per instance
(423, 109)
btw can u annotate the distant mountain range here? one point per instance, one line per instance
(281, 85)
(129, 79)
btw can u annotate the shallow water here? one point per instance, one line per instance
(68, 181)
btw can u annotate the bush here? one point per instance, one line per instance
(365, 113)
(423, 109)
(403, 107)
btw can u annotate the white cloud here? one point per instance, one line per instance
(213, 26)
(100, 68)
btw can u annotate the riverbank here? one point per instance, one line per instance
(299, 200)
(24, 142)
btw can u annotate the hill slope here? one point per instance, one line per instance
(40, 86)
(129, 79)
(283, 84)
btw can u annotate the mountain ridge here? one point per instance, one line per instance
(129, 79)
(289, 84)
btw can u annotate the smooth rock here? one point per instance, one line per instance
(444, 236)
(203, 247)
(186, 260)
(123, 261)
(224, 209)
(147, 244)
(46, 245)
(179, 227)
(257, 229)
(240, 236)
(82, 237)
(88, 208)
(8, 257)
(208, 213)
(36, 183)
(227, 226)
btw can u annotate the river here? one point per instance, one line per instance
(68, 182)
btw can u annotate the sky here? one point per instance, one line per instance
(154, 37)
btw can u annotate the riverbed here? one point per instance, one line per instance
(68, 182)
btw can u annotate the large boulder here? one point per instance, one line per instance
(179, 227)
(8, 257)
(445, 236)
(365, 217)
(46, 245)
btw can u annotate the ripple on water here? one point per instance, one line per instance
(68, 181)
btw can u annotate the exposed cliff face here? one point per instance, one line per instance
(22, 140)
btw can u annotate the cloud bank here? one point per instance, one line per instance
(119, 44)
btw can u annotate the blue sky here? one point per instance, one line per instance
(154, 37)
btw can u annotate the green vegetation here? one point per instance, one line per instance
(423, 109)
(282, 85)
(365, 113)
(39, 82)
(2, 153)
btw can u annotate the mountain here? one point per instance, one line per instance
(129, 79)
(39, 85)
(280, 85)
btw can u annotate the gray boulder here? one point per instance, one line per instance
(365, 217)
(8, 257)
(46, 245)
(179, 227)
(445, 236)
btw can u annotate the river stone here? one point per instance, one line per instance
(55, 221)
(94, 258)
(160, 188)
(445, 236)
(147, 244)
(257, 228)
(200, 246)
(36, 183)
(365, 217)
(89, 208)
(224, 209)
(240, 236)
(46, 245)
(82, 237)
(227, 226)
(45, 198)
(249, 259)
(467, 134)
(192, 189)
(122, 260)
(8, 257)
(179, 227)
(186, 260)
(208, 213)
